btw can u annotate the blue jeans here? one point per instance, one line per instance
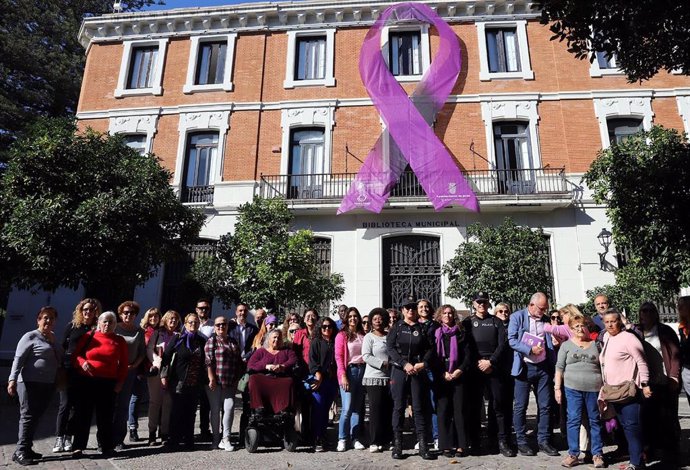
(432, 395)
(323, 399)
(139, 394)
(576, 401)
(122, 408)
(352, 401)
(536, 375)
(629, 417)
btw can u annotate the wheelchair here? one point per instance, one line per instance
(269, 429)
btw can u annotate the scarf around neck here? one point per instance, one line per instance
(452, 356)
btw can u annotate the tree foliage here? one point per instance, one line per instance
(84, 207)
(644, 184)
(42, 62)
(265, 263)
(634, 285)
(645, 35)
(507, 260)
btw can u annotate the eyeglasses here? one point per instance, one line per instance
(192, 322)
(220, 325)
(365, 322)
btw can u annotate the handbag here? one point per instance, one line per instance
(622, 393)
(243, 382)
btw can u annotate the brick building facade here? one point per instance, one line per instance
(238, 100)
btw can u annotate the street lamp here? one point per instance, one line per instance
(604, 238)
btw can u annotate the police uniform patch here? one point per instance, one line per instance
(415, 333)
(475, 324)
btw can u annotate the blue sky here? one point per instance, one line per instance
(195, 3)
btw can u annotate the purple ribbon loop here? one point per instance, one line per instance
(408, 136)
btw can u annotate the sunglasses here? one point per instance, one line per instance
(202, 308)
(220, 325)
(365, 322)
(326, 327)
(502, 311)
(128, 312)
(555, 317)
(292, 332)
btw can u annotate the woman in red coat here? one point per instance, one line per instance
(101, 360)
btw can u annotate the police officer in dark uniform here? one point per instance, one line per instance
(410, 354)
(491, 374)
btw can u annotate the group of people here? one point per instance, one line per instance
(602, 373)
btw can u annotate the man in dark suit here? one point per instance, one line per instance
(534, 359)
(242, 331)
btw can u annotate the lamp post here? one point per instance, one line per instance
(604, 238)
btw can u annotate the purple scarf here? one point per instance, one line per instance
(440, 349)
(185, 337)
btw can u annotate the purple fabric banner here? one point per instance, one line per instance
(408, 136)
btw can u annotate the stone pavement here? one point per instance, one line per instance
(202, 458)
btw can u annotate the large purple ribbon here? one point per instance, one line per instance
(408, 119)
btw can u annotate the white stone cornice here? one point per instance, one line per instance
(280, 16)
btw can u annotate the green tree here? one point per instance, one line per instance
(265, 263)
(85, 208)
(645, 35)
(634, 284)
(42, 62)
(508, 261)
(644, 184)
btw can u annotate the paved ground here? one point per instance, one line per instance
(202, 458)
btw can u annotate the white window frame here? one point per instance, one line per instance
(329, 78)
(295, 118)
(595, 71)
(135, 124)
(684, 111)
(193, 122)
(195, 43)
(607, 106)
(517, 110)
(156, 88)
(526, 72)
(423, 29)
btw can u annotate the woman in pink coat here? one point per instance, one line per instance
(351, 365)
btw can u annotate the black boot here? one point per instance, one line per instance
(424, 448)
(397, 446)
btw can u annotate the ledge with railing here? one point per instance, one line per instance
(321, 187)
(197, 194)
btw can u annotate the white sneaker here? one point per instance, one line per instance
(342, 445)
(358, 445)
(59, 445)
(68, 443)
(416, 446)
(435, 444)
(374, 448)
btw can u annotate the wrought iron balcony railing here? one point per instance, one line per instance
(319, 187)
(197, 194)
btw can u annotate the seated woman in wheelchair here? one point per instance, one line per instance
(271, 384)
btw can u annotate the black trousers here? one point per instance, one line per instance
(380, 412)
(417, 386)
(65, 414)
(499, 390)
(183, 415)
(450, 397)
(34, 398)
(204, 412)
(97, 394)
(659, 417)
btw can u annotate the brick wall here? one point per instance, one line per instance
(568, 131)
